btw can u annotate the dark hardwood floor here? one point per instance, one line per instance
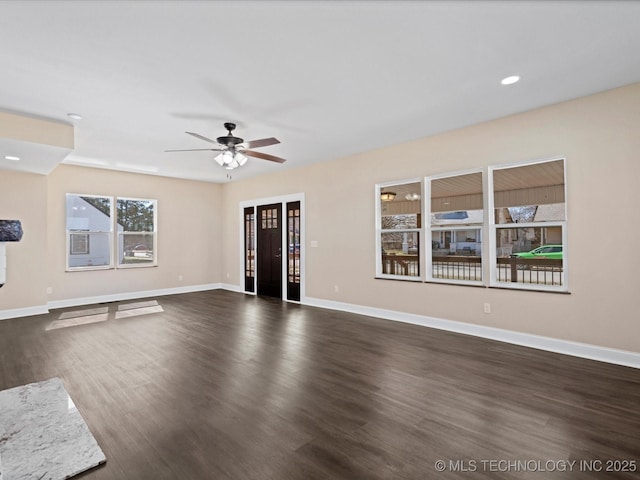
(226, 386)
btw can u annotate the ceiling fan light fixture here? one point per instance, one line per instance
(387, 196)
(219, 159)
(241, 159)
(231, 160)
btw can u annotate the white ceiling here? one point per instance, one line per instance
(327, 78)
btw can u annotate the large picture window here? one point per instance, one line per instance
(399, 223)
(90, 226)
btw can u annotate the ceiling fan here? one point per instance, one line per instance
(234, 149)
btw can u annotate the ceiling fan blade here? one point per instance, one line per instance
(264, 142)
(197, 135)
(263, 156)
(197, 150)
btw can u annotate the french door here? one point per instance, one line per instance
(272, 262)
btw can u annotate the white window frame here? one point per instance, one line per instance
(108, 233)
(122, 234)
(113, 234)
(493, 228)
(488, 231)
(429, 229)
(380, 231)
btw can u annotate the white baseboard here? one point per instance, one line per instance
(118, 297)
(232, 288)
(575, 349)
(23, 312)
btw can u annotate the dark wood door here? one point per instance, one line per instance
(269, 274)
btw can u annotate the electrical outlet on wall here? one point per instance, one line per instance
(487, 308)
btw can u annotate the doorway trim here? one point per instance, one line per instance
(283, 200)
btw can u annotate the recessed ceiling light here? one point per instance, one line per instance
(12, 158)
(75, 116)
(510, 80)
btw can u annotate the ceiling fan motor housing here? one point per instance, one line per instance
(229, 140)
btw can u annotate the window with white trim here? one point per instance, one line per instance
(523, 215)
(399, 224)
(89, 232)
(136, 223)
(528, 226)
(90, 226)
(455, 228)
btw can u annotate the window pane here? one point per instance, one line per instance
(400, 212)
(530, 213)
(89, 214)
(136, 231)
(529, 193)
(457, 200)
(135, 249)
(89, 250)
(135, 215)
(400, 206)
(530, 255)
(401, 253)
(457, 214)
(456, 254)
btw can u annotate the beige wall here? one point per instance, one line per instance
(598, 137)
(199, 225)
(23, 196)
(188, 232)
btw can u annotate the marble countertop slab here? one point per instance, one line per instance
(42, 434)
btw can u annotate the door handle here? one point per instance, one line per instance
(278, 255)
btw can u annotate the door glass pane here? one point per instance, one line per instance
(249, 245)
(293, 242)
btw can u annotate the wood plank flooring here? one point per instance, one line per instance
(226, 386)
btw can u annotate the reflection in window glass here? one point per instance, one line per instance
(455, 223)
(136, 219)
(401, 253)
(531, 255)
(399, 224)
(530, 221)
(89, 224)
